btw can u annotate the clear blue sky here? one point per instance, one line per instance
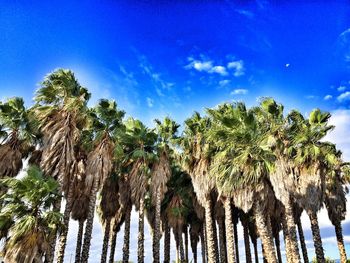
(165, 58)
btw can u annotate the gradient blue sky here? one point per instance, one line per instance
(159, 59)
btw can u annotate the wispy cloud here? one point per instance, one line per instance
(341, 88)
(225, 82)
(149, 102)
(206, 66)
(344, 96)
(239, 92)
(328, 97)
(245, 13)
(237, 67)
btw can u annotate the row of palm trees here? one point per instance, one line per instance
(255, 165)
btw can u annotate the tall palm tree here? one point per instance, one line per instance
(141, 140)
(161, 172)
(245, 224)
(297, 215)
(27, 206)
(61, 108)
(107, 126)
(196, 161)
(109, 209)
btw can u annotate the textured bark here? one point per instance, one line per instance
(194, 243)
(286, 240)
(316, 237)
(113, 245)
(79, 241)
(186, 243)
(166, 242)
(302, 241)
(126, 244)
(263, 253)
(141, 237)
(278, 248)
(64, 232)
(248, 255)
(236, 241)
(156, 234)
(89, 223)
(209, 231)
(264, 228)
(52, 243)
(340, 241)
(216, 242)
(231, 253)
(256, 255)
(106, 241)
(181, 246)
(222, 240)
(291, 233)
(203, 246)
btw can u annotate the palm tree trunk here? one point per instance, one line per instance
(205, 240)
(204, 258)
(64, 232)
(52, 243)
(217, 256)
(302, 241)
(222, 239)
(209, 230)
(264, 228)
(255, 245)
(141, 237)
(113, 244)
(291, 232)
(235, 232)
(126, 244)
(79, 241)
(177, 244)
(316, 237)
(181, 245)
(89, 223)
(166, 242)
(278, 248)
(286, 239)
(106, 241)
(340, 241)
(194, 242)
(186, 243)
(156, 235)
(231, 253)
(263, 252)
(248, 255)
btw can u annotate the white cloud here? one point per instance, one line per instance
(237, 66)
(341, 88)
(328, 97)
(206, 66)
(344, 96)
(149, 102)
(239, 92)
(224, 82)
(220, 70)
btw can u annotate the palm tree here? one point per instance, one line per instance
(196, 161)
(61, 108)
(297, 215)
(141, 140)
(161, 172)
(27, 206)
(109, 209)
(245, 223)
(243, 162)
(17, 132)
(107, 126)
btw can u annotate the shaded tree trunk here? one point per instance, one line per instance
(79, 241)
(217, 253)
(340, 241)
(64, 232)
(181, 245)
(186, 243)
(264, 228)
(89, 223)
(291, 232)
(263, 252)
(203, 249)
(52, 242)
(113, 244)
(316, 237)
(141, 237)
(156, 235)
(286, 240)
(231, 253)
(106, 241)
(126, 244)
(248, 256)
(278, 248)
(222, 239)
(255, 245)
(302, 241)
(194, 242)
(236, 241)
(209, 231)
(166, 242)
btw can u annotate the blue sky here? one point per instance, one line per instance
(159, 59)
